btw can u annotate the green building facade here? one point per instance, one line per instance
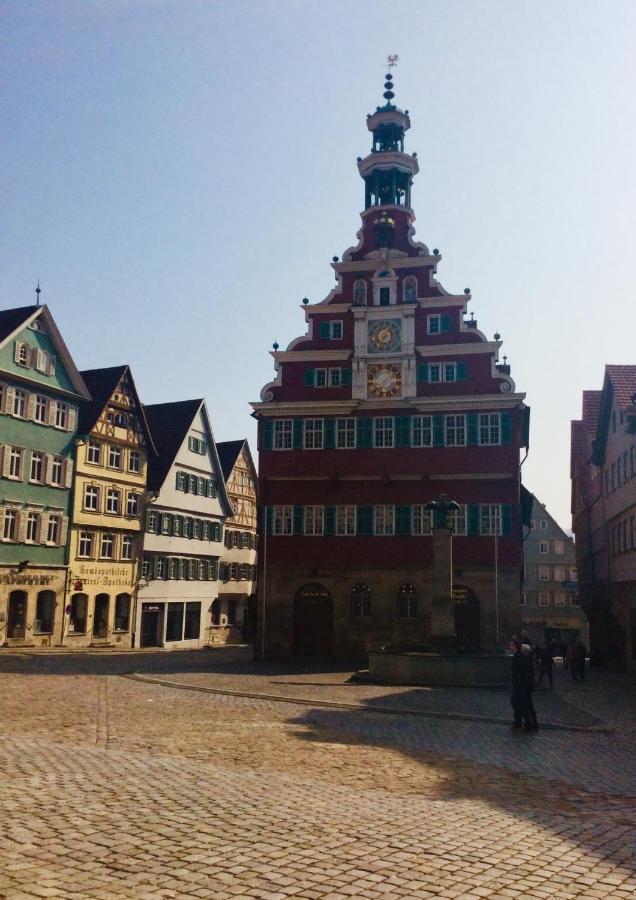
(40, 393)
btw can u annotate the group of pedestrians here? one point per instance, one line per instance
(524, 660)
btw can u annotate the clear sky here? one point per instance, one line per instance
(179, 173)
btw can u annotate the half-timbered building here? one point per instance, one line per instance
(234, 617)
(392, 397)
(113, 448)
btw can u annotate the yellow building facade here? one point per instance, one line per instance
(111, 471)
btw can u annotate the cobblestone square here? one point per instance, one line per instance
(218, 777)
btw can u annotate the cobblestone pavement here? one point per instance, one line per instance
(118, 788)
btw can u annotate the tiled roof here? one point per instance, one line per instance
(623, 380)
(228, 454)
(591, 406)
(577, 446)
(169, 423)
(101, 383)
(10, 319)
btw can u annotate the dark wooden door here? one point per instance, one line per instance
(16, 624)
(313, 621)
(150, 621)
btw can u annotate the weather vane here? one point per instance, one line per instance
(392, 60)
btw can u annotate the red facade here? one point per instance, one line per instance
(391, 398)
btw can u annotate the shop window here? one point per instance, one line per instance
(77, 616)
(215, 612)
(44, 612)
(122, 612)
(192, 621)
(174, 622)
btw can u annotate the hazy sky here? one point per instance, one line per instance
(179, 173)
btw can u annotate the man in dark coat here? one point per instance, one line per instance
(522, 673)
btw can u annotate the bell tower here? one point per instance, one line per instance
(387, 170)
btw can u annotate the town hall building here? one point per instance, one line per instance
(390, 399)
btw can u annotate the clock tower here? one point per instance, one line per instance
(391, 397)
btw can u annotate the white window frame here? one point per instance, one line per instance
(57, 470)
(345, 433)
(62, 412)
(20, 403)
(434, 323)
(320, 378)
(10, 525)
(94, 452)
(490, 519)
(384, 519)
(32, 527)
(421, 520)
(126, 549)
(383, 431)
(54, 529)
(283, 434)
(422, 431)
(544, 546)
(113, 501)
(313, 434)
(41, 409)
(282, 520)
(115, 453)
(107, 540)
(489, 429)
(132, 503)
(91, 498)
(37, 467)
(86, 545)
(346, 520)
(314, 520)
(16, 462)
(458, 520)
(455, 428)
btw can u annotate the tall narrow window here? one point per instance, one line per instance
(345, 433)
(384, 520)
(455, 431)
(19, 403)
(10, 525)
(383, 431)
(314, 520)
(421, 520)
(40, 413)
(360, 602)
(313, 434)
(37, 467)
(113, 501)
(32, 527)
(422, 431)
(345, 520)
(15, 462)
(94, 452)
(407, 602)
(57, 464)
(283, 520)
(85, 545)
(282, 434)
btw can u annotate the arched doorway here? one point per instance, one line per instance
(467, 618)
(313, 621)
(16, 620)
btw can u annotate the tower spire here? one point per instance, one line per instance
(38, 291)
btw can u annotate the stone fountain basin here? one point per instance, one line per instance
(394, 666)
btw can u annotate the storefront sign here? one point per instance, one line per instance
(24, 578)
(107, 576)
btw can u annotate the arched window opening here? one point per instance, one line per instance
(122, 612)
(44, 612)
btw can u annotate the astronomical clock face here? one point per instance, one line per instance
(384, 336)
(384, 380)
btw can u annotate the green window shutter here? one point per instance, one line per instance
(330, 519)
(472, 422)
(309, 378)
(506, 519)
(462, 371)
(422, 372)
(364, 436)
(325, 331)
(330, 434)
(268, 432)
(178, 482)
(438, 431)
(268, 519)
(299, 519)
(402, 519)
(506, 428)
(365, 520)
(345, 376)
(298, 434)
(148, 520)
(403, 431)
(473, 519)
(445, 323)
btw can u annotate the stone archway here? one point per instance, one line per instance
(313, 621)
(467, 618)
